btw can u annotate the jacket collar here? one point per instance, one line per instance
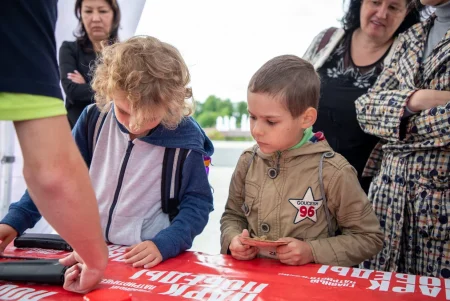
(307, 149)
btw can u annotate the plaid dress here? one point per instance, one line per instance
(410, 192)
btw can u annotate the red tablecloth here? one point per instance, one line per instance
(199, 276)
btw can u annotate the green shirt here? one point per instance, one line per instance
(307, 135)
(19, 107)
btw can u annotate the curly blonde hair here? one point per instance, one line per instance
(152, 74)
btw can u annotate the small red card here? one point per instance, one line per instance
(261, 243)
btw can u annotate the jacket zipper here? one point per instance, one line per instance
(119, 186)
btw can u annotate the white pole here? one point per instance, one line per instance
(7, 159)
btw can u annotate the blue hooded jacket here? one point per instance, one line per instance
(126, 176)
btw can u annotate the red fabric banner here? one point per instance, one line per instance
(199, 276)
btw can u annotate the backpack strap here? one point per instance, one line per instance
(331, 233)
(172, 171)
(94, 123)
(244, 207)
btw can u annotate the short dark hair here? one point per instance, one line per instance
(351, 19)
(81, 34)
(290, 77)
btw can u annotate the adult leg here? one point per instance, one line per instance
(388, 199)
(431, 231)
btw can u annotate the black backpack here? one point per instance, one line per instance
(173, 160)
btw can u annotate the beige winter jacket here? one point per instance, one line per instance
(291, 205)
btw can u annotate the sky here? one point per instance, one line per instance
(225, 42)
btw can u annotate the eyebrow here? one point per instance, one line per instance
(265, 116)
(122, 110)
(396, 3)
(99, 7)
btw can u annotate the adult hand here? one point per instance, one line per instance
(239, 250)
(144, 254)
(76, 77)
(7, 235)
(296, 252)
(80, 278)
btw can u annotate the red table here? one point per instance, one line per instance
(199, 276)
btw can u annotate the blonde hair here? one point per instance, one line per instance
(152, 74)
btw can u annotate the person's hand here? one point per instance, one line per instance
(239, 250)
(296, 252)
(427, 99)
(7, 235)
(80, 278)
(144, 254)
(76, 77)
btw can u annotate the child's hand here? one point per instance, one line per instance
(240, 251)
(296, 252)
(144, 254)
(7, 235)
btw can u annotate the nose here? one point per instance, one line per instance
(257, 130)
(95, 16)
(382, 11)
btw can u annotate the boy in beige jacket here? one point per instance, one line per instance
(291, 186)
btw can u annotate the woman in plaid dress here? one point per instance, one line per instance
(409, 108)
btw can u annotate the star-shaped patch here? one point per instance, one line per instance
(306, 207)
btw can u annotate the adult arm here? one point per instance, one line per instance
(59, 184)
(23, 215)
(76, 93)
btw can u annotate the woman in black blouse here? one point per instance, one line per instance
(98, 21)
(349, 60)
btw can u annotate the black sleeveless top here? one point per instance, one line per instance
(342, 82)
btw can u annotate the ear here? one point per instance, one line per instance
(308, 118)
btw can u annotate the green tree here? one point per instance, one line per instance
(240, 109)
(211, 104)
(198, 109)
(206, 113)
(225, 107)
(207, 119)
